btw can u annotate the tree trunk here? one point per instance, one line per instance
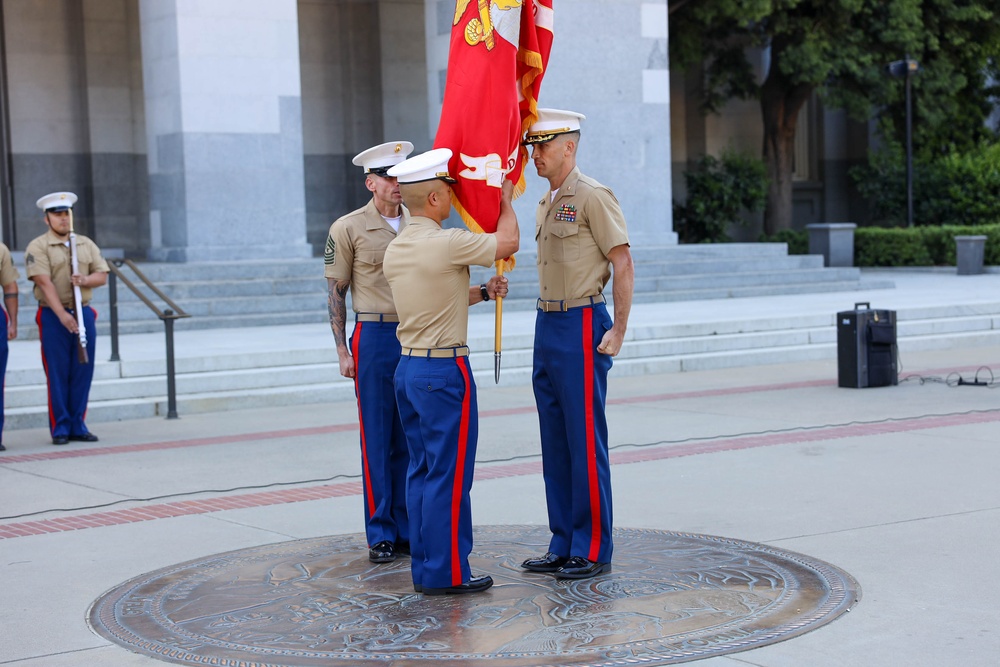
(780, 104)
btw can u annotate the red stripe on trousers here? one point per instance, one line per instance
(588, 412)
(456, 494)
(45, 366)
(355, 344)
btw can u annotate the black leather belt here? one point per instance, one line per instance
(67, 306)
(562, 306)
(436, 352)
(375, 317)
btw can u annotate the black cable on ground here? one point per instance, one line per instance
(511, 459)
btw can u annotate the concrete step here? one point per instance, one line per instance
(272, 293)
(223, 379)
(738, 291)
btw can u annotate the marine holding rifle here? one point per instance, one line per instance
(65, 268)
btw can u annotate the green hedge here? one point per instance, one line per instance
(895, 246)
(891, 247)
(920, 246)
(797, 240)
(718, 191)
(960, 188)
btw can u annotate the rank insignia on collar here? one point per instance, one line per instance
(566, 213)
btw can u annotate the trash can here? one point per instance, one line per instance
(969, 254)
(833, 240)
(866, 347)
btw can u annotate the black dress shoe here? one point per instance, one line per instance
(474, 585)
(403, 549)
(383, 552)
(60, 440)
(418, 588)
(579, 567)
(85, 437)
(547, 563)
(2, 448)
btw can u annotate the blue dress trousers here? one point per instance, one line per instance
(570, 381)
(68, 380)
(383, 442)
(437, 404)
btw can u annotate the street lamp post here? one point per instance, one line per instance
(907, 68)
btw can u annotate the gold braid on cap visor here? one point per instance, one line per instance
(548, 135)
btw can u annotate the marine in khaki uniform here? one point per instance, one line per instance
(581, 235)
(48, 265)
(428, 270)
(353, 260)
(8, 278)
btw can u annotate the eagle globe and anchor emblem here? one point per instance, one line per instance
(495, 16)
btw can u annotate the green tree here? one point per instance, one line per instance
(840, 49)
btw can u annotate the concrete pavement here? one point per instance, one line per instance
(896, 485)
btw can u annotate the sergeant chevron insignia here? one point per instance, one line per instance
(330, 254)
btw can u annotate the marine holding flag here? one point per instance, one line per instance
(498, 54)
(428, 271)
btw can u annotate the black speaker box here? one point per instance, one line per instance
(866, 347)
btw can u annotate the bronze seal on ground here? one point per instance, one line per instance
(672, 597)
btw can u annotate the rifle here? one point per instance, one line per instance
(81, 349)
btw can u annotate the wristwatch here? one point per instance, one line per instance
(484, 292)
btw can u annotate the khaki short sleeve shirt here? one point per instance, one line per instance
(8, 272)
(355, 249)
(49, 255)
(575, 232)
(428, 270)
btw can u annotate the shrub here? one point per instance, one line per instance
(899, 246)
(719, 190)
(958, 189)
(940, 242)
(797, 240)
(920, 246)
(890, 247)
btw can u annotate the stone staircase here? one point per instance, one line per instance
(270, 293)
(229, 369)
(262, 339)
(716, 271)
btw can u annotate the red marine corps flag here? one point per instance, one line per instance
(498, 55)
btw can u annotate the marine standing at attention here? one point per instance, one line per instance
(8, 278)
(581, 235)
(428, 271)
(355, 248)
(48, 265)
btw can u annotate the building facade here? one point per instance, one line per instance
(827, 145)
(201, 130)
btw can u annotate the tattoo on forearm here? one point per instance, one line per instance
(337, 306)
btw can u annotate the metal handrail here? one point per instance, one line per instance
(168, 315)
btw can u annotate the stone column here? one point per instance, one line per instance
(224, 129)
